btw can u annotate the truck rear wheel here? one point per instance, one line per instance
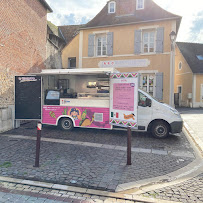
(160, 129)
(66, 124)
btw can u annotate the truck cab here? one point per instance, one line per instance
(158, 118)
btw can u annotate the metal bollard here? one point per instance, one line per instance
(129, 147)
(39, 128)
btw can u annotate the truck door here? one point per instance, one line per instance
(144, 112)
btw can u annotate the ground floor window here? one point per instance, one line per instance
(72, 62)
(147, 83)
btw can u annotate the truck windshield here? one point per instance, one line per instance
(151, 96)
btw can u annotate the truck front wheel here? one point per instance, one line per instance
(160, 129)
(65, 124)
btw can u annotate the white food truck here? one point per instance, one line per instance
(82, 98)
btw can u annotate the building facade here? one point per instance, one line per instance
(189, 74)
(55, 43)
(132, 36)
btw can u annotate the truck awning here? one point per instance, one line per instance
(82, 71)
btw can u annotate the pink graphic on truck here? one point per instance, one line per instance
(82, 116)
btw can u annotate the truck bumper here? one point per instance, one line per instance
(176, 126)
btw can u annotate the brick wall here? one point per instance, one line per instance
(23, 27)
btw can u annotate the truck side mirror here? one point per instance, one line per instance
(148, 102)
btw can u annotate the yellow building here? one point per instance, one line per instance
(189, 74)
(132, 36)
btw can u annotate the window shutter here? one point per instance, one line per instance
(160, 40)
(137, 44)
(91, 45)
(110, 44)
(159, 86)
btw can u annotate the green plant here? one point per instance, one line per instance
(6, 164)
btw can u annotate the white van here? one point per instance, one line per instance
(156, 117)
(81, 98)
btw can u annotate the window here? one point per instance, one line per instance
(148, 83)
(179, 89)
(72, 62)
(101, 46)
(200, 57)
(140, 4)
(148, 44)
(180, 65)
(112, 7)
(98, 117)
(142, 100)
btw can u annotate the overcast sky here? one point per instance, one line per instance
(69, 12)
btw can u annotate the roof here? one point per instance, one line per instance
(45, 4)
(190, 52)
(69, 31)
(55, 30)
(151, 12)
(83, 71)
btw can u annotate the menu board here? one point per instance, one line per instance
(28, 97)
(124, 99)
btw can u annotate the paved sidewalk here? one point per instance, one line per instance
(91, 158)
(188, 191)
(193, 122)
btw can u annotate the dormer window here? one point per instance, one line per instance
(112, 7)
(140, 4)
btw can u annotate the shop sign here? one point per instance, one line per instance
(124, 63)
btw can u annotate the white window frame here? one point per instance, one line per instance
(148, 75)
(142, 38)
(109, 6)
(179, 65)
(96, 43)
(137, 8)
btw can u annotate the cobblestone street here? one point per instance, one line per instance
(189, 191)
(90, 158)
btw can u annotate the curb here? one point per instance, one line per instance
(194, 137)
(84, 190)
(190, 171)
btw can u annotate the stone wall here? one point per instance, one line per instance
(53, 60)
(7, 119)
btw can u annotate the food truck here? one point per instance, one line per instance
(85, 98)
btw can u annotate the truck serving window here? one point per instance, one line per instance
(53, 95)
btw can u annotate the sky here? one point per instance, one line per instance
(71, 12)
